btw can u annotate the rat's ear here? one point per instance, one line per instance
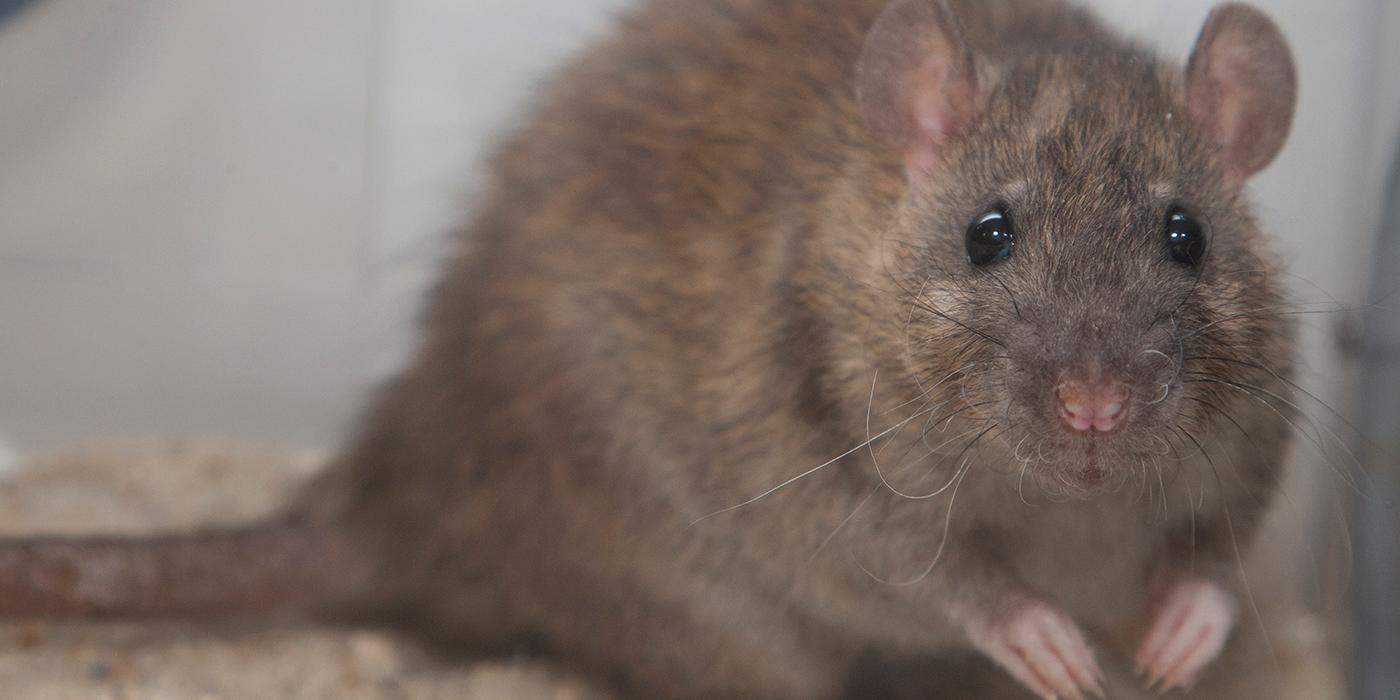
(1241, 86)
(917, 81)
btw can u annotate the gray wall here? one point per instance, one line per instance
(215, 216)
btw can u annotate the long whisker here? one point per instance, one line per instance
(923, 438)
(1293, 385)
(1255, 393)
(936, 492)
(1226, 415)
(931, 470)
(1161, 484)
(926, 306)
(925, 392)
(947, 530)
(909, 321)
(807, 473)
(1239, 557)
(843, 523)
(1195, 283)
(1193, 506)
(1273, 311)
(1009, 295)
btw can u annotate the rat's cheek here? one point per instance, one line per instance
(1043, 648)
(1188, 632)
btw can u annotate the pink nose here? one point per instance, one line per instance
(1092, 406)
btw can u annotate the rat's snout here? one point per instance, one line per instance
(1093, 404)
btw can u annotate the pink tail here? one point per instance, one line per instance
(266, 568)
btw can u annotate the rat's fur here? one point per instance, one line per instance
(698, 274)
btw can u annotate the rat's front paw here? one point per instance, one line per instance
(1043, 649)
(1188, 632)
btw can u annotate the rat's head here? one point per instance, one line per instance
(1072, 237)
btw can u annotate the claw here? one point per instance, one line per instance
(1187, 634)
(1045, 650)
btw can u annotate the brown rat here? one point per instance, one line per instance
(800, 337)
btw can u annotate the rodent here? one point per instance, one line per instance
(794, 336)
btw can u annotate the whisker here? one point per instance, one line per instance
(926, 306)
(909, 321)
(923, 439)
(927, 391)
(1239, 557)
(1162, 484)
(964, 451)
(1273, 311)
(1293, 385)
(1226, 415)
(940, 490)
(947, 530)
(805, 474)
(1011, 296)
(1254, 393)
(1021, 482)
(1191, 509)
(843, 523)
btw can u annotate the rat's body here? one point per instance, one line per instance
(699, 274)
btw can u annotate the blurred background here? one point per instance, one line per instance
(216, 218)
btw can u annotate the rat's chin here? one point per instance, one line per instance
(1093, 474)
(1083, 468)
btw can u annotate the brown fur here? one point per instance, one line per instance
(697, 274)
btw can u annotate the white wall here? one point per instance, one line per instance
(215, 216)
(182, 198)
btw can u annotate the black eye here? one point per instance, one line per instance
(990, 238)
(1186, 242)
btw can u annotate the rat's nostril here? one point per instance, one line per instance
(1087, 407)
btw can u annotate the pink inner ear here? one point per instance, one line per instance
(1229, 117)
(940, 99)
(917, 82)
(931, 131)
(1242, 88)
(1222, 105)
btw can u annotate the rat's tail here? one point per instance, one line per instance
(272, 567)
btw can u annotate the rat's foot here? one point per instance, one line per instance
(1188, 632)
(1043, 649)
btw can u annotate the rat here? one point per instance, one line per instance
(799, 338)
